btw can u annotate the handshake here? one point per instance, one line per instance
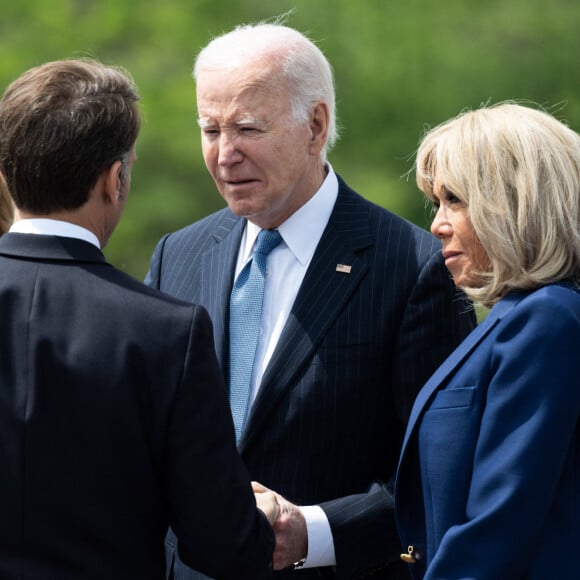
(289, 526)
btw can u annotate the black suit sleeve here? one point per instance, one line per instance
(436, 319)
(208, 486)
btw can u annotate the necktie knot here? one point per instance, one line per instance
(267, 241)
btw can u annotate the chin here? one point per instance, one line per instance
(468, 282)
(240, 210)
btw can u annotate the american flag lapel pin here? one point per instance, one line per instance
(344, 268)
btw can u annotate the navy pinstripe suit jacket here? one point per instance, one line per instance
(328, 422)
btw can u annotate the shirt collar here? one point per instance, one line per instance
(51, 227)
(302, 231)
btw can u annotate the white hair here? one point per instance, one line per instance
(300, 61)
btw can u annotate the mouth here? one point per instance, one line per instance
(450, 256)
(237, 182)
(239, 186)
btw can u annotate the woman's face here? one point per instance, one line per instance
(464, 255)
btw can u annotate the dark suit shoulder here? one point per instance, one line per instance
(387, 230)
(175, 263)
(150, 313)
(216, 225)
(138, 291)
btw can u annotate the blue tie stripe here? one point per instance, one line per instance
(245, 316)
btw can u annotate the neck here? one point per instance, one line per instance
(76, 217)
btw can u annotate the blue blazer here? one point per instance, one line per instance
(330, 414)
(111, 402)
(488, 483)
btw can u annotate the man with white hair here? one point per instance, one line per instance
(357, 308)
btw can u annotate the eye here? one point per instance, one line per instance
(451, 198)
(249, 130)
(210, 133)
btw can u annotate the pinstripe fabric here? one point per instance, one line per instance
(329, 418)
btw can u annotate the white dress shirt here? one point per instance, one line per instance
(286, 267)
(50, 227)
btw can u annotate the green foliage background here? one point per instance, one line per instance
(400, 67)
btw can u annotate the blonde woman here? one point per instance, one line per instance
(488, 484)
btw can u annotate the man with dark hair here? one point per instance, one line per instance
(114, 420)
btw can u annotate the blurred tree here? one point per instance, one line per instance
(399, 66)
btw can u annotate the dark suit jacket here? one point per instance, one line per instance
(330, 415)
(114, 423)
(488, 485)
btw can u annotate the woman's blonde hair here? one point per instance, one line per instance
(517, 169)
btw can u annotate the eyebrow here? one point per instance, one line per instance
(205, 122)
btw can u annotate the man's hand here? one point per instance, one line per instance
(267, 501)
(289, 527)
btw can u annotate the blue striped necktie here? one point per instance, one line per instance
(245, 316)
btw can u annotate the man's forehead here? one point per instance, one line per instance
(239, 83)
(255, 104)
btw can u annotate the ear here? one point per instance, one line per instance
(113, 187)
(318, 128)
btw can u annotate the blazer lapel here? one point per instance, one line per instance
(333, 275)
(455, 359)
(219, 264)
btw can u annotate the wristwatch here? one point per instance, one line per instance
(299, 564)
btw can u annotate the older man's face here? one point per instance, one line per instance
(261, 159)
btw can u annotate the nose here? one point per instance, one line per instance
(228, 153)
(440, 226)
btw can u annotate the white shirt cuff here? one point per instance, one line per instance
(320, 542)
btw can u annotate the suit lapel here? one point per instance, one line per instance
(327, 286)
(219, 264)
(454, 360)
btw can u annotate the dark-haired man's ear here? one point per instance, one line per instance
(114, 182)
